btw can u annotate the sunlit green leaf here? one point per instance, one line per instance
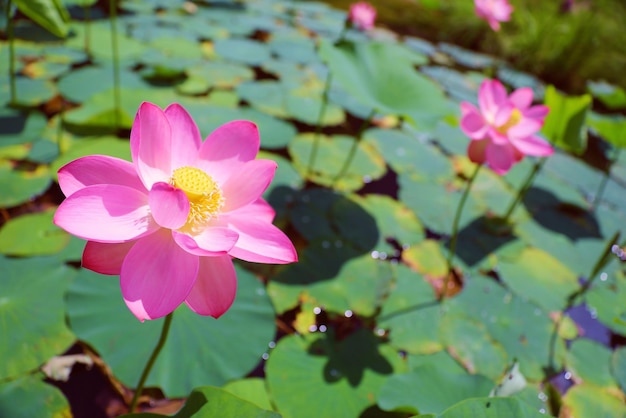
(565, 124)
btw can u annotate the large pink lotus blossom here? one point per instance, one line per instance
(170, 222)
(503, 129)
(493, 11)
(362, 15)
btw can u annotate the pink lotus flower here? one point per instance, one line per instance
(170, 222)
(493, 11)
(362, 15)
(504, 128)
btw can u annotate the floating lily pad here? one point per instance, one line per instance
(304, 370)
(537, 276)
(411, 314)
(405, 152)
(245, 51)
(32, 316)
(229, 347)
(590, 362)
(618, 366)
(29, 396)
(492, 408)
(207, 401)
(604, 298)
(524, 330)
(28, 92)
(394, 220)
(83, 83)
(363, 70)
(252, 389)
(430, 389)
(435, 204)
(302, 103)
(18, 186)
(32, 234)
(332, 153)
(19, 128)
(589, 400)
(221, 74)
(469, 342)
(610, 95)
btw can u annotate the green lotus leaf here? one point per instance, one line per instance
(32, 318)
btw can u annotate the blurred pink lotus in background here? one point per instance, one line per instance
(503, 128)
(362, 15)
(493, 11)
(170, 222)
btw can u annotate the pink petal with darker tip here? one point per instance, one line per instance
(248, 184)
(500, 158)
(106, 213)
(212, 241)
(156, 276)
(522, 98)
(154, 148)
(185, 136)
(476, 151)
(98, 169)
(215, 288)
(472, 122)
(105, 258)
(228, 148)
(261, 242)
(491, 96)
(533, 145)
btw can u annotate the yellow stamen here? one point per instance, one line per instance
(516, 116)
(205, 196)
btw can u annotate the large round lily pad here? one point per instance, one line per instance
(199, 349)
(32, 314)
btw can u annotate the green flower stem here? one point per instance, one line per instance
(455, 230)
(524, 189)
(116, 62)
(87, 16)
(573, 298)
(318, 127)
(605, 180)
(155, 353)
(320, 117)
(355, 145)
(11, 39)
(604, 258)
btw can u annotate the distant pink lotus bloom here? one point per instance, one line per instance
(170, 222)
(503, 129)
(493, 11)
(362, 15)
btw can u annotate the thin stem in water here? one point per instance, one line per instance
(455, 230)
(524, 189)
(605, 180)
(318, 127)
(117, 93)
(155, 353)
(11, 39)
(572, 298)
(355, 145)
(320, 117)
(87, 15)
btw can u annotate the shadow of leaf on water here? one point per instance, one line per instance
(334, 228)
(550, 212)
(350, 357)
